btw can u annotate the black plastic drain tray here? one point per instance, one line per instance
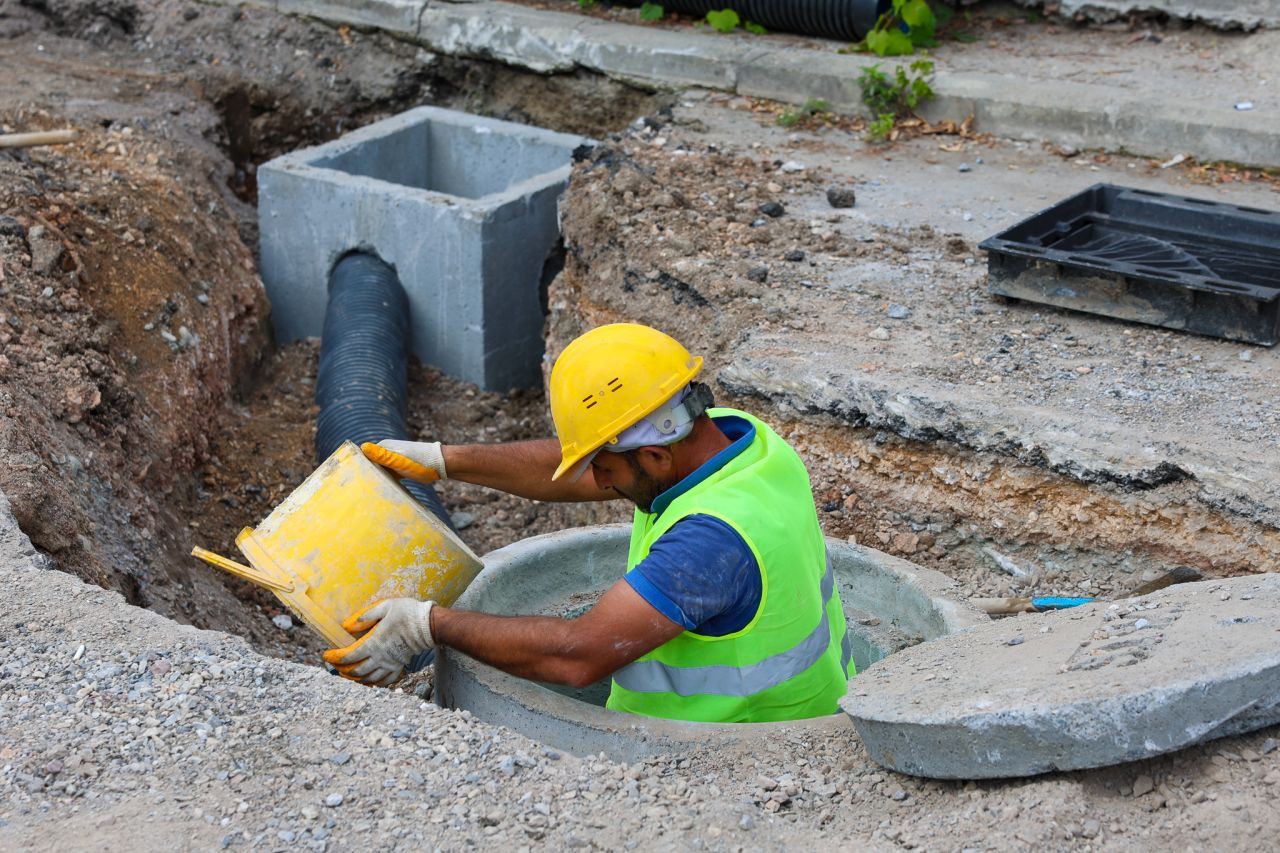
(1156, 258)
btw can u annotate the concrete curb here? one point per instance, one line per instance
(1080, 114)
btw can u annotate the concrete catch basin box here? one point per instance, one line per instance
(890, 604)
(464, 208)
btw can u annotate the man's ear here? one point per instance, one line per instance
(656, 460)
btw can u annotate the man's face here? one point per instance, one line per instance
(629, 474)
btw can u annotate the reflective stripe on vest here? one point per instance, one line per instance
(651, 676)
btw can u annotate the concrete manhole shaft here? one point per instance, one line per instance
(890, 604)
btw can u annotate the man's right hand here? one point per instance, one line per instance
(392, 633)
(416, 460)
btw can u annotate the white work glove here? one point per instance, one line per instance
(417, 460)
(396, 630)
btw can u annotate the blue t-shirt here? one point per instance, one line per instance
(700, 574)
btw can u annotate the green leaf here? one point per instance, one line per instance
(964, 37)
(725, 20)
(916, 13)
(651, 11)
(890, 43)
(881, 127)
(753, 27)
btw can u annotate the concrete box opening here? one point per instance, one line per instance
(462, 207)
(445, 155)
(890, 604)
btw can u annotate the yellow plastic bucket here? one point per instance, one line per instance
(347, 537)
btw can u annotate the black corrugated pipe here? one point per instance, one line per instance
(841, 19)
(361, 383)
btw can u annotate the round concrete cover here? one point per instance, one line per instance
(1100, 684)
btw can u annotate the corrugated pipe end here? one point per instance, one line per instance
(362, 378)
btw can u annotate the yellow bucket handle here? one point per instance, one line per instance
(240, 570)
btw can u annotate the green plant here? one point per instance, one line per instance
(651, 11)
(879, 130)
(898, 32)
(724, 20)
(586, 4)
(727, 20)
(811, 106)
(894, 97)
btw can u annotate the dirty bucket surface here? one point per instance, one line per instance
(350, 535)
(1097, 685)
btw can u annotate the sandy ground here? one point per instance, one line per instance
(128, 440)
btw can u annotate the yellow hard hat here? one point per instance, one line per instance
(608, 379)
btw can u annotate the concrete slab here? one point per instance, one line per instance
(1224, 14)
(1089, 687)
(463, 207)
(399, 17)
(1095, 444)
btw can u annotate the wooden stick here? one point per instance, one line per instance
(42, 137)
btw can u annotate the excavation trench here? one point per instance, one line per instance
(196, 441)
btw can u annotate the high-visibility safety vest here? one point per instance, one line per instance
(792, 660)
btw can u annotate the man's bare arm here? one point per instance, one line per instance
(521, 468)
(620, 628)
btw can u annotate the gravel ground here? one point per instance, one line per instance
(124, 726)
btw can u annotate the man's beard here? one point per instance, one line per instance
(646, 489)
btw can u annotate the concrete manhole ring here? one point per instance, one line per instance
(890, 604)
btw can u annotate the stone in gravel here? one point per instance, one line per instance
(898, 312)
(10, 227)
(46, 251)
(792, 166)
(899, 795)
(1016, 641)
(1246, 356)
(1268, 746)
(772, 209)
(340, 758)
(795, 256)
(1143, 785)
(282, 621)
(841, 197)
(964, 167)
(462, 520)
(758, 274)
(333, 800)
(879, 333)
(746, 822)
(1091, 828)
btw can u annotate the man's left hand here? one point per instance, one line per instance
(394, 630)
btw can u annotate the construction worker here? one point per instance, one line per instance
(728, 610)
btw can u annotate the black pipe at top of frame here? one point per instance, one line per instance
(841, 19)
(362, 379)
